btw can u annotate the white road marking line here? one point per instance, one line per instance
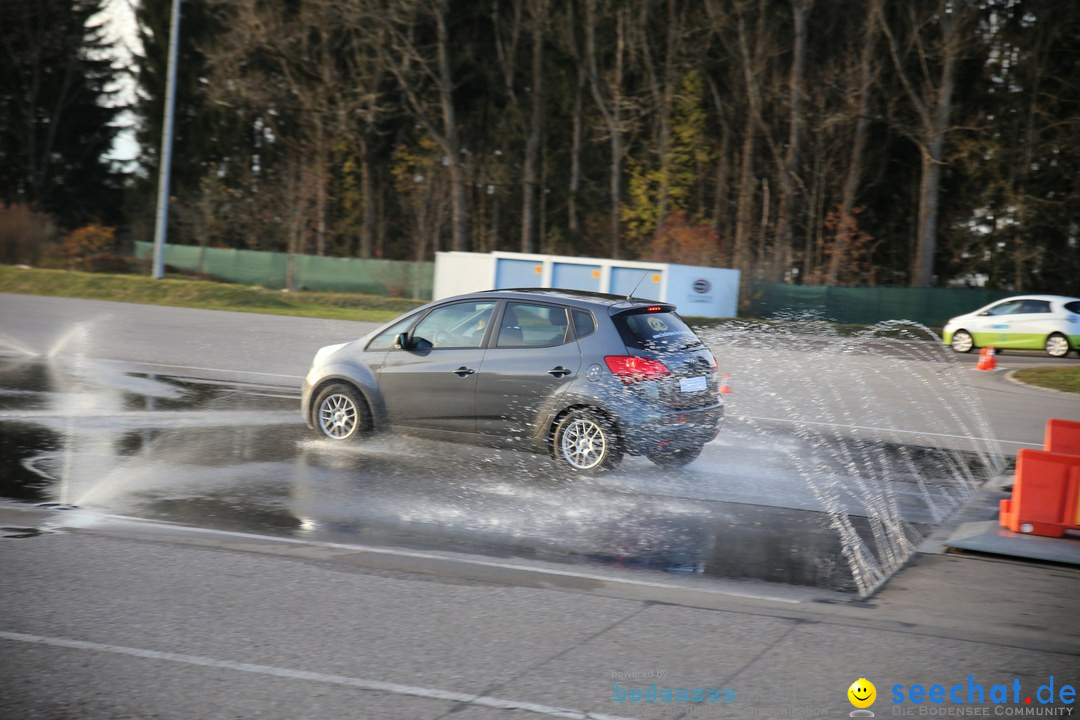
(291, 674)
(880, 429)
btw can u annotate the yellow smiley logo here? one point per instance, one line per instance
(862, 693)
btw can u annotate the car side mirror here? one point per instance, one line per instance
(401, 342)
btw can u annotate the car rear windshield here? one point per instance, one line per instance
(658, 331)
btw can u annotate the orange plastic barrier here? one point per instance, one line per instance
(1062, 436)
(1046, 494)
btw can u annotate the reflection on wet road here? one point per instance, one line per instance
(762, 503)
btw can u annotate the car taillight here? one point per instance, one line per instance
(631, 369)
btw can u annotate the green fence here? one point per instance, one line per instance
(394, 278)
(929, 306)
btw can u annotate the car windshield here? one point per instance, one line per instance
(658, 331)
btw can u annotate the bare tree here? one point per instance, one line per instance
(925, 64)
(531, 176)
(789, 173)
(567, 35)
(610, 104)
(418, 66)
(662, 82)
(312, 74)
(362, 54)
(860, 112)
(752, 46)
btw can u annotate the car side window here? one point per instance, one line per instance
(584, 324)
(531, 325)
(1073, 307)
(385, 339)
(460, 325)
(1006, 308)
(1035, 306)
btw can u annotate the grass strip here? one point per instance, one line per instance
(208, 295)
(1065, 379)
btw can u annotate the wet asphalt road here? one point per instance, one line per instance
(837, 458)
(234, 457)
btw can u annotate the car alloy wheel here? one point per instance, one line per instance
(1057, 345)
(584, 443)
(339, 412)
(962, 342)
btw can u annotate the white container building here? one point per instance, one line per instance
(696, 290)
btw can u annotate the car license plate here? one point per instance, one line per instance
(693, 384)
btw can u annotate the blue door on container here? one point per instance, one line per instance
(646, 280)
(572, 276)
(510, 273)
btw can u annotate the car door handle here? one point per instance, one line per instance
(559, 371)
(463, 371)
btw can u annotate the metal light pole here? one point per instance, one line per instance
(161, 227)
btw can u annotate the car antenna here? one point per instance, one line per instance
(641, 280)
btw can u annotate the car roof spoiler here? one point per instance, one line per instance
(638, 305)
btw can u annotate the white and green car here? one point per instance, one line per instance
(1027, 322)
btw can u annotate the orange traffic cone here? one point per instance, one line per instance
(725, 389)
(987, 360)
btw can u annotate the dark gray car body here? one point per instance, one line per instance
(516, 395)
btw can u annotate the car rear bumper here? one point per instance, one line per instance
(672, 430)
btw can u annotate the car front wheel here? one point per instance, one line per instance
(676, 458)
(340, 412)
(962, 342)
(1057, 345)
(586, 443)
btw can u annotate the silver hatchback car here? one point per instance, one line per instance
(582, 376)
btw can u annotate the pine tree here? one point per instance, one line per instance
(57, 111)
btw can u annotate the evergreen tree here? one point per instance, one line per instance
(56, 111)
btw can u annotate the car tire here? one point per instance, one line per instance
(586, 443)
(962, 342)
(340, 413)
(1057, 345)
(677, 458)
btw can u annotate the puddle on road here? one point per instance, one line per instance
(20, 532)
(238, 458)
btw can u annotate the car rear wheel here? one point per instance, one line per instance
(678, 457)
(586, 443)
(1057, 345)
(340, 412)
(962, 342)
